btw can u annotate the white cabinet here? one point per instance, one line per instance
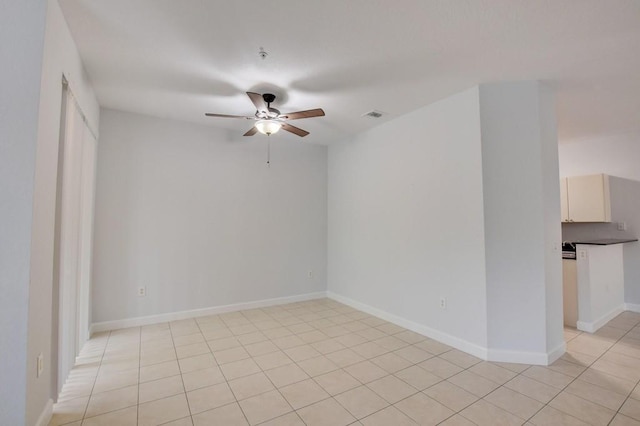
(585, 199)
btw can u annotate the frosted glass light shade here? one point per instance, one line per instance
(268, 127)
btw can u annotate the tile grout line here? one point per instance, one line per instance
(605, 352)
(346, 372)
(417, 365)
(500, 385)
(225, 379)
(96, 378)
(579, 375)
(369, 359)
(637, 382)
(93, 387)
(251, 321)
(459, 412)
(560, 390)
(243, 347)
(340, 368)
(184, 388)
(268, 339)
(222, 372)
(262, 370)
(332, 397)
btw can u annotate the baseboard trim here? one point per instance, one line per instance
(592, 327)
(215, 310)
(555, 354)
(45, 416)
(534, 358)
(632, 307)
(447, 339)
(497, 355)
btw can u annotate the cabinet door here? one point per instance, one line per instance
(588, 198)
(564, 202)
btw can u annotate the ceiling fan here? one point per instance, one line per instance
(268, 119)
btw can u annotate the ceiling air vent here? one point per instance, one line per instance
(373, 114)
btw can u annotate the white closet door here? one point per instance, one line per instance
(87, 191)
(76, 232)
(69, 240)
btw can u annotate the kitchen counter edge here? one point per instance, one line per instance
(606, 241)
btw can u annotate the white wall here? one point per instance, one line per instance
(60, 57)
(406, 218)
(616, 155)
(199, 219)
(522, 218)
(21, 35)
(432, 204)
(625, 208)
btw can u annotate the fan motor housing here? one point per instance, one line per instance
(269, 97)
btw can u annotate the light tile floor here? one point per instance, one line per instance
(323, 363)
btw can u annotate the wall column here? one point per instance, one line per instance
(522, 222)
(22, 26)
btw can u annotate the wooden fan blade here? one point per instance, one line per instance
(295, 130)
(252, 131)
(258, 101)
(318, 112)
(208, 114)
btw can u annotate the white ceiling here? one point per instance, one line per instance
(180, 59)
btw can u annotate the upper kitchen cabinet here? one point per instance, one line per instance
(585, 199)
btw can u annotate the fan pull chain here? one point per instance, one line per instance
(269, 151)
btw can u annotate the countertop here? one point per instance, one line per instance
(606, 241)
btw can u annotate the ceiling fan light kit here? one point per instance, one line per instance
(269, 120)
(268, 127)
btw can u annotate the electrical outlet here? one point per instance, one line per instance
(443, 303)
(40, 365)
(622, 226)
(142, 291)
(582, 254)
(310, 274)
